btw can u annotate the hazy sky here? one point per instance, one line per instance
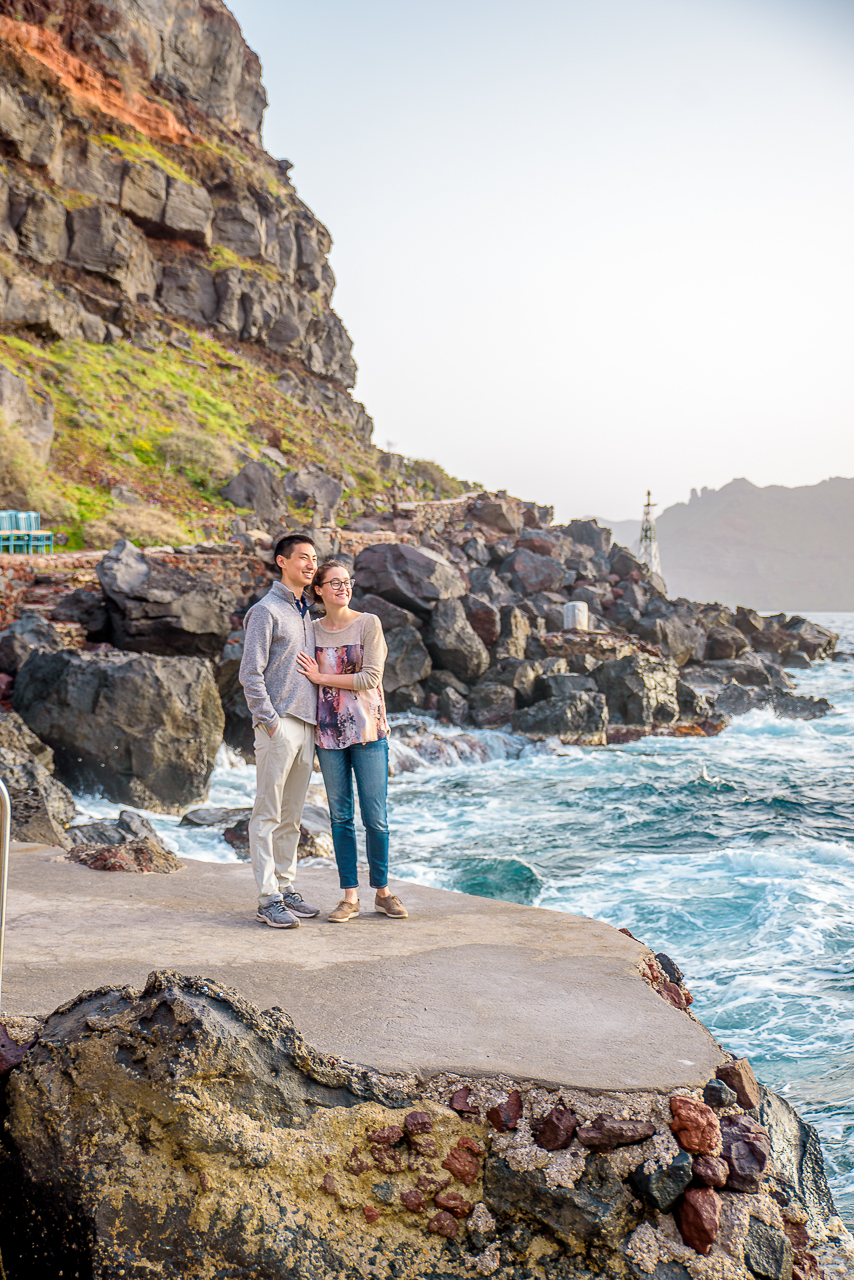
(584, 247)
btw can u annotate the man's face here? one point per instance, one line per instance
(298, 571)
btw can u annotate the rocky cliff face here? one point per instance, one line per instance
(138, 208)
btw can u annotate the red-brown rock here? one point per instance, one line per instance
(555, 1131)
(418, 1122)
(739, 1076)
(371, 1213)
(464, 1165)
(11, 1053)
(606, 1133)
(444, 1225)
(698, 1216)
(386, 1137)
(694, 1126)
(431, 1185)
(454, 1203)
(746, 1148)
(386, 1159)
(413, 1201)
(673, 995)
(471, 1144)
(355, 1163)
(712, 1170)
(798, 1234)
(539, 546)
(506, 1115)
(460, 1103)
(329, 1185)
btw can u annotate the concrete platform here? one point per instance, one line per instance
(466, 984)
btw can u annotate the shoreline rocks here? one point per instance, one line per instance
(185, 1100)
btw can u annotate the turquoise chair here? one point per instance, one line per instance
(12, 537)
(36, 540)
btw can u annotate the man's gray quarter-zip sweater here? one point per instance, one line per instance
(276, 631)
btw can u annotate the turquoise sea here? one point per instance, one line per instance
(735, 855)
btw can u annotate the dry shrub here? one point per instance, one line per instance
(198, 455)
(24, 482)
(146, 525)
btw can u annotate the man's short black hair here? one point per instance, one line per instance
(285, 546)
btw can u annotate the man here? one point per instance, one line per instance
(283, 703)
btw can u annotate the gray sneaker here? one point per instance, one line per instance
(277, 916)
(293, 901)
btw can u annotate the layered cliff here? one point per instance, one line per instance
(164, 292)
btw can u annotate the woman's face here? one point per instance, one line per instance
(337, 586)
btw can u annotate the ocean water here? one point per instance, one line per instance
(735, 855)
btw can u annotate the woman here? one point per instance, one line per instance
(352, 735)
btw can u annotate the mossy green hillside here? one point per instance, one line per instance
(170, 426)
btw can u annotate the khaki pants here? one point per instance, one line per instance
(284, 768)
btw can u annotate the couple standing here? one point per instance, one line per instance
(315, 686)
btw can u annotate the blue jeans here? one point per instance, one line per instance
(369, 762)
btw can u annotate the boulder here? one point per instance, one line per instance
(773, 639)
(407, 661)
(142, 730)
(391, 616)
(813, 640)
(452, 706)
(313, 488)
(562, 685)
(483, 618)
(186, 1091)
(517, 674)
(238, 732)
(579, 718)
(258, 488)
(530, 572)
(105, 243)
(796, 1158)
(486, 585)
(160, 608)
(132, 855)
(724, 642)
(412, 577)
(453, 643)
(513, 636)
(694, 1126)
(476, 550)
(22, 637)
(143, 196)
(677, 638)
(87, 607)
(42, 807)
(639, 689)
(622, 562)
(498, 511)
(188, 213)
(491, 705)
(748, 621)
(28, 414)
(128, 828)
(739, 1076)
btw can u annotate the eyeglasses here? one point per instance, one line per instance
(337, 583)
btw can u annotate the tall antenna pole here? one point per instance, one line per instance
(649, 552)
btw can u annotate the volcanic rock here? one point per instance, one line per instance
(529, 572)
(453, 643)
(579, 718)
(30, 415)
(407, 661)
(712, 1170)
(718, 1094)
(694, 1126)
(746, 1148)
(159, 608)
(664, 1184)
(133, 855)
(639, 689)
(491, 705)
(698, 1216)
(739, 1076)
(412, 577)
(606, 1133)
(41, 807)
(506, 1115)
(483, 618)
(143, 730)
(555, 1130)
(22, 636)
(767, 1252)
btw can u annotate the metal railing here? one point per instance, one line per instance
(5, 840)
